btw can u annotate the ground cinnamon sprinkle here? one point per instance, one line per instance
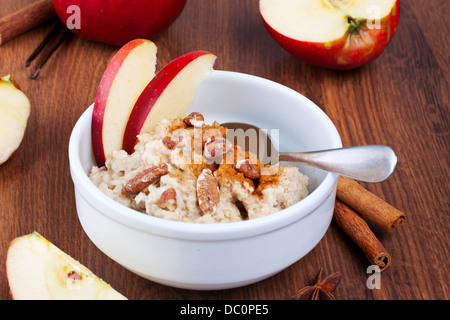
(197, 169)
(227, 172)
(215, 129)
(267, 180)
(176, 124)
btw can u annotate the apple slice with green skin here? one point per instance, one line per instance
(129, 72)
(337, 34)
(169, 94)
(38, 270)
(14, 113)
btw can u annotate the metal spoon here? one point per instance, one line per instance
(370, 163)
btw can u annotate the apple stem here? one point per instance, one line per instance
(354, 25)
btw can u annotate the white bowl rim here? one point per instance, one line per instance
(194, 231)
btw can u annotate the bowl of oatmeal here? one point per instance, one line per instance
(191, 209)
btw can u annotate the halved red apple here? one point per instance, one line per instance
(169, 94)
(337, 34)
(14, 113)
(38, 270)
(127, 75)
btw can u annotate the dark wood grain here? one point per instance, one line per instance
(400, 99)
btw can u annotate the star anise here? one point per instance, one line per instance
(322, 289)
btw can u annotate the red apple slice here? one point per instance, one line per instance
(169, 94)
(338, 34)
(127, 75)
(37, 270)
(14, 114)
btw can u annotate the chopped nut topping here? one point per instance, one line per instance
(216, 147)
(207, 192)
(171, 141)
(195, 119)
(144, 179)
(246, 167)
(213, 131)
(168, 200)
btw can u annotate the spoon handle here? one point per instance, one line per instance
(372, 163)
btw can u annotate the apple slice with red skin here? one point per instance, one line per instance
(336, 34)
(169, 94)
(129, 72)
(38, 270)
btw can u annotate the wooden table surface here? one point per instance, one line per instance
(401, 99)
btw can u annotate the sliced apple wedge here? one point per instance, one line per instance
(38, 270)
(127, 75)
(169, 94)
(14, 114)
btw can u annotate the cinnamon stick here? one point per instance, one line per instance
(358, 230)
(369, 205)
(25, 19)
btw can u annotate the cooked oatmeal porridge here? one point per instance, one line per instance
(188, 171)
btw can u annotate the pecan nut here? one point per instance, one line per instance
(168, 200)
(216, 147)
(144, 179)
(248, 169)
(172, 141)
(194, 119)
(207, 192)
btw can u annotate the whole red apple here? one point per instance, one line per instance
(117, 22)
(337, 34)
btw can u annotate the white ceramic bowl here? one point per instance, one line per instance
(217, 256)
